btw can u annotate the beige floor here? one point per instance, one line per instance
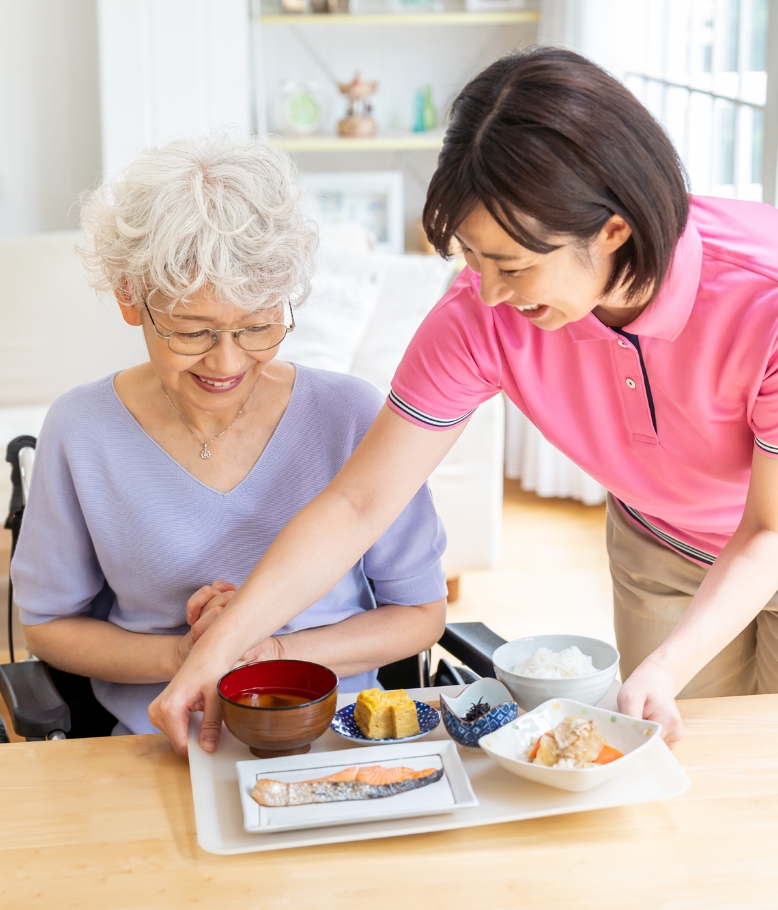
(552, 576)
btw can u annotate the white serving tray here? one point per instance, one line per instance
(452, 791)
(502, 797)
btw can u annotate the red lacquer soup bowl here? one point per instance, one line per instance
(278, 707)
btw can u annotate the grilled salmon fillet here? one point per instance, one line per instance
(371, 782)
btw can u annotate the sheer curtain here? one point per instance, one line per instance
(541, 467)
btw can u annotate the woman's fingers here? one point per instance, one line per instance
(169, 712)
(197, 601)
(209, 613)
(211, 727)
(269, 649)
(201, 598)
(216, 603)
(630, 701)
(667, 714)
(253, 655)
(205, 622)
(223, 586)
(648, 698)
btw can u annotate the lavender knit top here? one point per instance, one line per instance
(115, 528)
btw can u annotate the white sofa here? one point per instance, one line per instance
(56, 333)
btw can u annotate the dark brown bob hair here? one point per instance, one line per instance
(548, 134)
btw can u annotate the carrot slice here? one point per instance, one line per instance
(607, 755)
(534, 753)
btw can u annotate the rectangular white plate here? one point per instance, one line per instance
(452, 791)
(502, 797)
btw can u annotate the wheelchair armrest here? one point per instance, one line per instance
(473, 643)
(34, 704)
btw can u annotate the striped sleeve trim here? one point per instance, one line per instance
(766, 446)
(416, 414)
(674, 543)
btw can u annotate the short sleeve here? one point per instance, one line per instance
(764, 416)
(55, 570)
(453, 362)
(404, 563)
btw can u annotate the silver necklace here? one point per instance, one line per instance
(206, 452)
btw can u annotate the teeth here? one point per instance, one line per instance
(534, 306)
(218, 385)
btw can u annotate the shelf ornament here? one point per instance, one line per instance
(358, 124)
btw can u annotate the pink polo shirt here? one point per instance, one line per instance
(710, 348)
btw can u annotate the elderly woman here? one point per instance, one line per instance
(151, 483)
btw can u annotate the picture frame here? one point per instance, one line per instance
(493, 6)
(373, 199)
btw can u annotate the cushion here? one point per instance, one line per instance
(332, 323)
(409, 286)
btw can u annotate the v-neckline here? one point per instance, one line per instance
(127, 414)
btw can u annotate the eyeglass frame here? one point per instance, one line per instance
(236, 333)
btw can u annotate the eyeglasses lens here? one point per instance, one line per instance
(254, 338)
(262, 337)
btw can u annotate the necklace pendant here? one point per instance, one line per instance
(206, 452)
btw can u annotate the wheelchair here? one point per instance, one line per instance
(45, 703)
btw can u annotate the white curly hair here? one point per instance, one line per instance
(211, 213)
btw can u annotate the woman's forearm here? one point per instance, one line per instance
(736, 588)
(367, 640)
(91, 647)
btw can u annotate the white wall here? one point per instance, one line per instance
(171, 68)
(49, 112)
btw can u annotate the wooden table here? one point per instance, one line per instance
(108, 823)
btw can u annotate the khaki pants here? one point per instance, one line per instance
(652, 587)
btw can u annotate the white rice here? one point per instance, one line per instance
(548, 664)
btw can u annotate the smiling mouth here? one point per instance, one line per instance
(533, 306)
(227, 383)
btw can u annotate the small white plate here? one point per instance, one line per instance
(509, 745)
(451, 792)
(344, 725)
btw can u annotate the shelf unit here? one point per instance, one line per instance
(327, 48)
(383, 142)
(509, 17)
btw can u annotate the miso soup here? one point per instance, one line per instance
(262, 697)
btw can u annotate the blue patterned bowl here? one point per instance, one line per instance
(344, 724)
(494, 693)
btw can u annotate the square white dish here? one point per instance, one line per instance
(509, 745)
(502, 797)
(452, 791)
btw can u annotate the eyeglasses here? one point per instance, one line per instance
(260, 337)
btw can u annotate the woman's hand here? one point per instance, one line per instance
(202, 608)
(650, 693)
(205, 611)
(270, 649)
(209, 597)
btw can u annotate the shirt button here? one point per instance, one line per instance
(622, 343)
(631, 383)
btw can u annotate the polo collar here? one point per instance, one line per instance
(666, 316)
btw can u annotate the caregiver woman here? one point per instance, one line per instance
(636, 326)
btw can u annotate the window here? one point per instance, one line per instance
(701, 68)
